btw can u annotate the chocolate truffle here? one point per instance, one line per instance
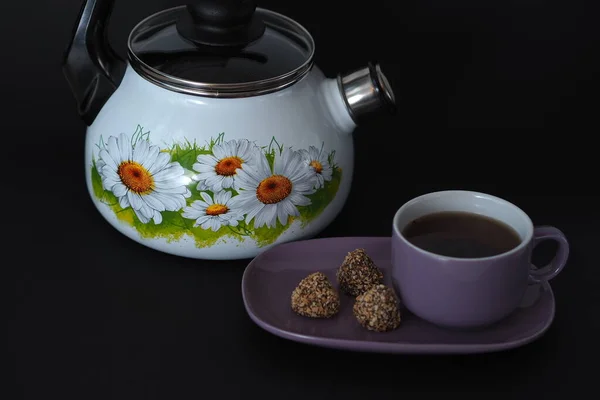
(358, 273)
(377, 309)
(315, 297)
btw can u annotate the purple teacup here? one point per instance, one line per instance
(457, 292)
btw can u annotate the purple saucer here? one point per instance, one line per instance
(269, 279)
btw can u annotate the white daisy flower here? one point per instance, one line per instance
(213, 214)
(142, 178)
(218, 171)
(318, 162)
(266, 195)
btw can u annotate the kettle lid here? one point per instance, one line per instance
(221, 48)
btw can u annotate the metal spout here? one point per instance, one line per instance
(365, 91)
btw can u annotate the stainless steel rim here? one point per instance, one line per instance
(222, 90)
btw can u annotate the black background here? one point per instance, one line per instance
(489, 91)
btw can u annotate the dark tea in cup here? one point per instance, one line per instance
(461, 234)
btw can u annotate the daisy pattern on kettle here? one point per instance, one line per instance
(143, 178)
(270, 194)
(217, 171)
(225, 189)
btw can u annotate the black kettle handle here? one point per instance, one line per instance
(90, 65)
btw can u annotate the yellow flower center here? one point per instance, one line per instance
(317, 166)
(273, 189)
(216, 209)
(228, 165)
(136, 177)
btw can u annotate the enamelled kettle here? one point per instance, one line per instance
(219, 137)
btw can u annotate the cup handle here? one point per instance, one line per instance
(540, 234)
